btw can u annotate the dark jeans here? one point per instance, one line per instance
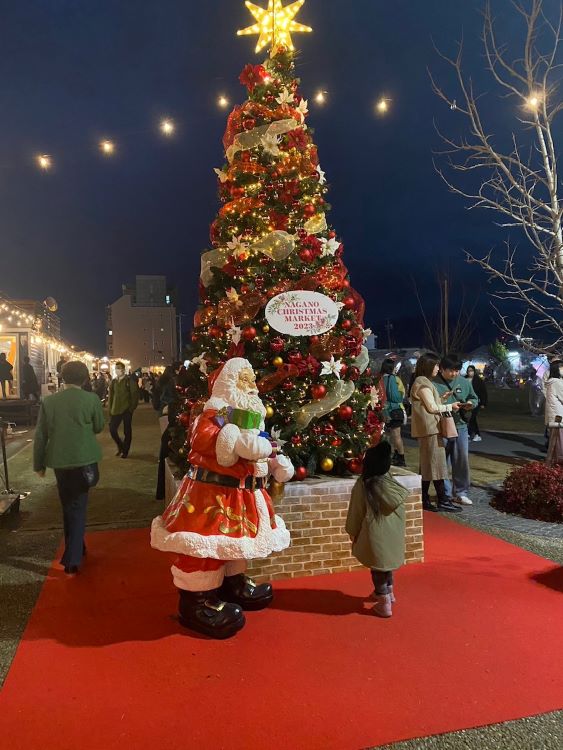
(382, 579)
(114, 424)
(73, 493)
(473, 425)
(5, 383)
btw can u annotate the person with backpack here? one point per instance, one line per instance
(394, 411)
(376, 524)
(123, 400)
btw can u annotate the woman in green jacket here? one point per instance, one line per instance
(376, 524)
(65, 440)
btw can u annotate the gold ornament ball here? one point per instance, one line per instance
(266, 328)
(277, 361)
(327, 464)
(269, 412)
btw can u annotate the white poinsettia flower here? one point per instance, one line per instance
(286, 97)
(332, 367)
(201, 363)
(374, 397)
(329, 247)
(303, 108)
(237, 245)
(322, 175)
(223, 176)
(235, 333)
(366, 332)
(233, 296)
(271, 143)
(276, 435)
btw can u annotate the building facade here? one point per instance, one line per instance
(141, 324)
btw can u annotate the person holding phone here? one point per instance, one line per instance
(455, 389)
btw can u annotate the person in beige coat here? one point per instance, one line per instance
(427, 409)
(376, 524)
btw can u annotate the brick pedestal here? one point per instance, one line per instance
(315, 514)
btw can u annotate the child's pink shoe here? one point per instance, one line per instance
(382, 606)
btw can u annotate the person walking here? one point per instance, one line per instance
(30, 384)
(480, 389)
(554, 413)
(453, 388)
(5, 374)
(123, 400)
(65, 440)
(376, 524)
(394, 412)
(427, 408)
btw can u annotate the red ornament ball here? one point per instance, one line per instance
(355, 466)
(216, 332)
(314, 340)
(297, 440)
(277, 344)
(346, 284)
(237, 192)
(249, 123)
(353, 373)
(336, 442)
(347, 324)
(306, 255)
(195, 338)
(318, 391)
(309, 209)
(328, 429)
(300, 473)
(184, 419)
(249, 333)
(345, 413)
(287, 385)
(349, 303)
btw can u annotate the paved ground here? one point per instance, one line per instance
(125, 498)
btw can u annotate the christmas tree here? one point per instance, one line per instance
(274, 287)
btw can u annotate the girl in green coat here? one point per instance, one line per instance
(376, 524)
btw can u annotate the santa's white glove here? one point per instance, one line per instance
(281, 468)
(234, 443)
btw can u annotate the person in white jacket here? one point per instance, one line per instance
(554, 413)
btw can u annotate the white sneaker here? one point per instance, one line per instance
(462, 500)
(477, 439)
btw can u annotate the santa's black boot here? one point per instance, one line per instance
(205, 612)
(243, 591)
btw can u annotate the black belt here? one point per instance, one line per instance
(211, 477)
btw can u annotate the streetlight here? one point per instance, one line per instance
(167, 127)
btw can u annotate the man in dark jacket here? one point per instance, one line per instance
(30, 384)
(123, 400)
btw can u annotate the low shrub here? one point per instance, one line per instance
(533, 491)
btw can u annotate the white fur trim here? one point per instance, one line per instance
(235, 568)
(281, 468)
(225, 446)
(199, 580)
(221, 547)
(251, 446)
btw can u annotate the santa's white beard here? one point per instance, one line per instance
(247, 401)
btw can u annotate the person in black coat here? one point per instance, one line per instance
(480, 389)
(30, 384)
(5, 373)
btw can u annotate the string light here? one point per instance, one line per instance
(223, 102)
(107, 147)
(44, 161)
(382, 106)
(533, 102)
(320, 97)
(275, 24)
(167, 127)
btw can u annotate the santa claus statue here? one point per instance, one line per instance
(222, 514)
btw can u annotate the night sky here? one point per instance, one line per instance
(76, 71)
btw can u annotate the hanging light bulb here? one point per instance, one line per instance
(320, 97)
(44, 161)
(382, 106)
(222, 102)
(533, 101)
(167, 127)
(107, 147)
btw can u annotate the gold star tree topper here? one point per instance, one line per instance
(275, 25)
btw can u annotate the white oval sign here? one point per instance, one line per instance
(302, 313)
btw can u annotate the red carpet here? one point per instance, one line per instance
(475, 639)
